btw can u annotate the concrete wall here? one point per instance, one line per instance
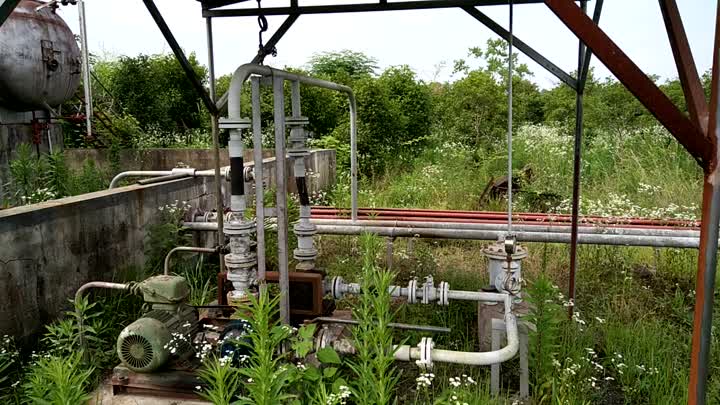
(48, 250)
(154, 159)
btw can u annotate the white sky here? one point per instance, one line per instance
(422, 39)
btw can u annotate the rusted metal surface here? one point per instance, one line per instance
(306, 292)
(707, 259)
(306, 297)
(687, 71)
(577, 166)
(630, 75)
(39, 59)
(175, 383)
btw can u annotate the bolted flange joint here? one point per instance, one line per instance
(235, 123)
(425, 346)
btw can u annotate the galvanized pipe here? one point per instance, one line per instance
(408, 353)
(281, 197)
(540, 227)
(185, 249)
(234, 109)
(423, 214)
(78, 295)
(137, 173)
(404, 326)
(542, 237)
(259, 186)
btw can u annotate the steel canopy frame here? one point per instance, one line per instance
(699, 135)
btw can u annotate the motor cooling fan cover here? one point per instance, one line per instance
(142, 346)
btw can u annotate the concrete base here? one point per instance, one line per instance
(104, 396)
(491, 331)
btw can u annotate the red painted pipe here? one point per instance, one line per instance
(480, 216)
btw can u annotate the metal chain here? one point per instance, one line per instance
(263, 25)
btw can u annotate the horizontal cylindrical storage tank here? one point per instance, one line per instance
(39, 58)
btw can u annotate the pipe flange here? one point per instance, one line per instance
(240, 261)
(235, 123)
(426, 345)
(239, 228)
(412, 291)
(443, 290)
(298, 152)
(305, 254)
(336, 289)
(296, 121)
(249, 174)
(305, 229)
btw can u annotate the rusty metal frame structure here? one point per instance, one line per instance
(698, 132)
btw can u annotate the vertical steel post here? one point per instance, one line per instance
(87, 85)
(707, 259)
(259, 186)
(281, 198)
(216, 142)
(576, 175)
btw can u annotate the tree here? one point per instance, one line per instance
(155, 90)
(345, 66)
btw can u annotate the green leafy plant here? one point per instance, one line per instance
(57, 380)
(266, 377)
(373, 366)
(546, 315)
(222, 381)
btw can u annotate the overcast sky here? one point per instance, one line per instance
(424, 40)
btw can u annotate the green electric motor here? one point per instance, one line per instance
(148, 343)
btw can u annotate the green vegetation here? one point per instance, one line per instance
(425, 145)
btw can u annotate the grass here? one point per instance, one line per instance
(630, 342)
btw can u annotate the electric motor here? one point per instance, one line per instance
(148, 343)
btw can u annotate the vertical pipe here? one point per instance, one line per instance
(353, 158)
(510, 120)
(281, 198)
(707, 259)
(87, 85)
(259, 187)
(216, 142)
(576, 175)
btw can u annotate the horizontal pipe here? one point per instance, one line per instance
(423, 220)
(160, 179)
(99, 284)
(532, 227)
(542, 237)
(408, 353)
(423, 213)
(176, 171)
(137, 173)
(185, 249)
(663, 238)
(404, 326)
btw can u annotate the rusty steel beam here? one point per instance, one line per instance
(707, 258)
(630, 75)
(687, 71)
